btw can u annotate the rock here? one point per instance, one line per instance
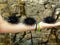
(42, 1)
(48, 6)
(16, 37)
(11, 2)
(54, 1)
(14, 8)
(28, 42)
(3, 1)
(57, 11)
(2, 6)
(27, 36)
(58, 35)
(22, 18)
(32, 9)
(48, 12)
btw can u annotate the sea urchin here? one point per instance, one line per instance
(49, 19)
(13, 19)
(29, 21)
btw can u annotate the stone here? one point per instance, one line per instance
(42, 1)
(27, 36)
(32, 9)
(48, 6)
(58, 35)
(2, 6)
(3, 1)
(28, 42)
(48, 12)
(14, 8)
(57, 11)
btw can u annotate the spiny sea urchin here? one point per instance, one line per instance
(49, 19)
(13, 19)
(29, 21)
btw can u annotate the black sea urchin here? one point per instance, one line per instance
(49, 19)
(13, 19)
(29, 21)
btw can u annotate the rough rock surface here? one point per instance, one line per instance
(38, 9)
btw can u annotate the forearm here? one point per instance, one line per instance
(46, 25)
(8, 28)
(14, 28)
(57, 24)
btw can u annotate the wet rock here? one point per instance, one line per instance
(48, 12)
(1, 38)
(14, 8)
(32, 9)
(5, 15)
(44, 35)
(54, 1)
(58, 36)
(10, 2)
(3, 1)
(15, 38)
(22, 18)
(48, 6)
(57, 11)
(43, 1)
(27, 32)
(2, 6)
(28, 42)
(27, 36)
(35, 34)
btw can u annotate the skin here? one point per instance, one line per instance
(6, 27)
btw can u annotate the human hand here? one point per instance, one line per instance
(47, 25)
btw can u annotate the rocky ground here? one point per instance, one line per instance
(38, 9)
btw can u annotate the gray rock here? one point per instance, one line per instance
(32, 9)
(48, 12)
(58, 35)
(27, 36)
(57, 11)
(3, 1)
(42, 1)
(14, 8)
(28, 42)
(48, 6)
